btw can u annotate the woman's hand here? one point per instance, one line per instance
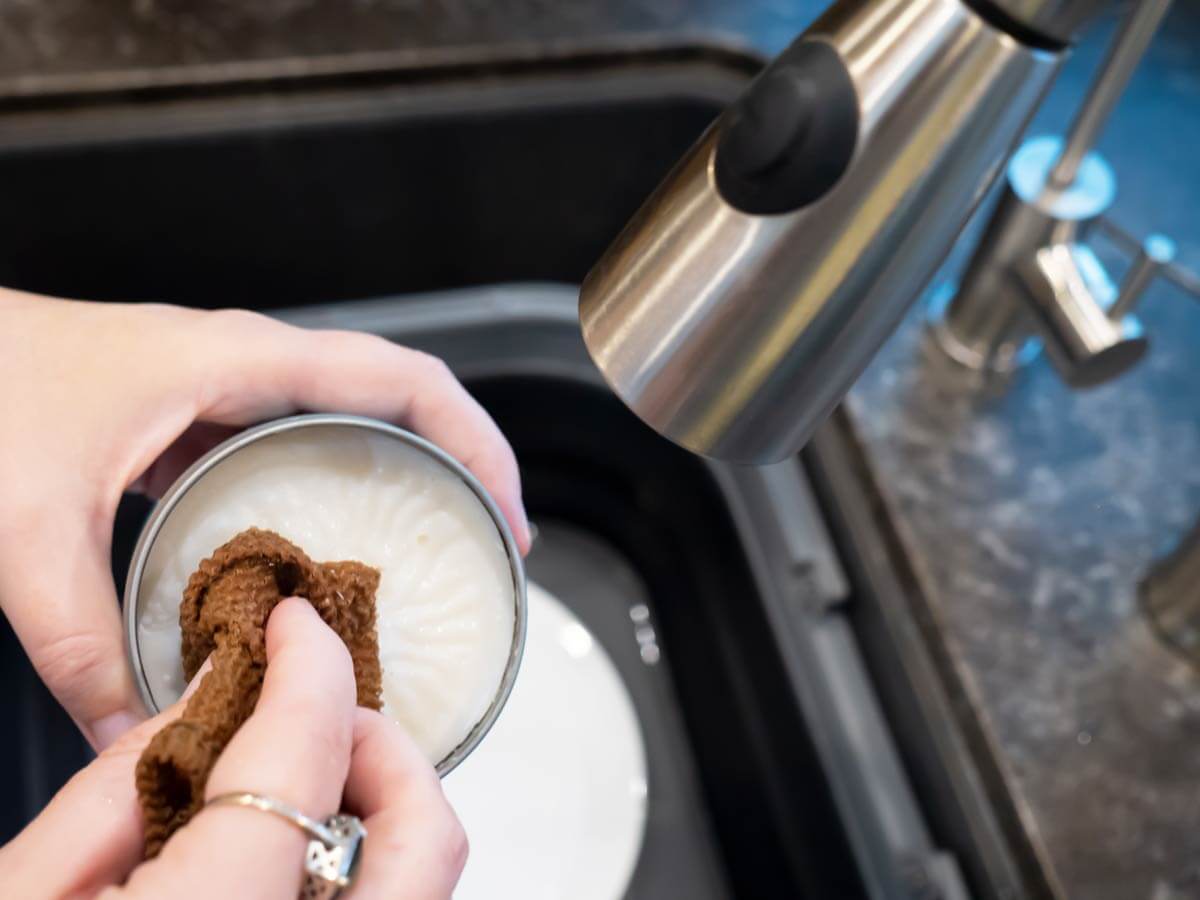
(99, 398)
(306, 745)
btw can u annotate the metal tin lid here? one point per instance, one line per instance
(198, 470)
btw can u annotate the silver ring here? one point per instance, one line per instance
(334, 847)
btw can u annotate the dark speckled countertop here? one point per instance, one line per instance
(1030, 517)
(88, 45)
(1033, 515)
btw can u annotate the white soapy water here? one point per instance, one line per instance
(445, 602)
(554, 802)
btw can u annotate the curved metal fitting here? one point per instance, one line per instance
(1032, 277)
(1045, 21)
(1170, 597)
(1070, 293)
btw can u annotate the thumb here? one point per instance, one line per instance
(56, 589)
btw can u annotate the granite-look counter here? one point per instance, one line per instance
(82, 46)
(1032, 516)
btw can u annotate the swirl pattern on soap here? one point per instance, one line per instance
(445, 600)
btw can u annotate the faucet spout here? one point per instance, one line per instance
(749, 292)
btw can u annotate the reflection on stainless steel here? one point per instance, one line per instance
(987, 325)
(1055, 21)
(1032, 275)
(1170, 596)
(1065, 282)
(734, 334)
(1123, 57)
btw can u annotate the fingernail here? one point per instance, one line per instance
(106, 730)
(524, 533)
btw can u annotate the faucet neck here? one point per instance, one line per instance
(1047, 24)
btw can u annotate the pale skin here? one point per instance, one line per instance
(98, 399)
(305, 744)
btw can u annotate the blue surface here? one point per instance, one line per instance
(1032, 517)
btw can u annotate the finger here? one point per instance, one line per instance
(415, 847)
(57, 590)
(96, 815)
(183, 451)
(269, 368)
(295, 748)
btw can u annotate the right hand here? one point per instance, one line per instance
(98, 398)
(305, 744)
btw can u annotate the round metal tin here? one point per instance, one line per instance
(198, 470)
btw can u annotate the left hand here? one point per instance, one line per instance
(98, 398)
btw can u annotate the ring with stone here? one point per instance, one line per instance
(334, 846)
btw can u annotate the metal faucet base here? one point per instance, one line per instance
(995, 362)
(1170, 597)
(1034, 283)
(1033, 278)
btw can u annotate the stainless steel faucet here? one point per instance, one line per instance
(746, 296)
(1034, 280)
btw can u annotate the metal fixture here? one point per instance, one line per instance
(1049, 21)
(1187, 280)
(1033, 281)
(1170, 597)
(742, 301)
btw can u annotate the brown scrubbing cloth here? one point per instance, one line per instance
(224, 613)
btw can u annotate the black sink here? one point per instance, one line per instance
(761, 792)
(271, 199)
(776, 758)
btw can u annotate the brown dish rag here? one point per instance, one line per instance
(224, 613)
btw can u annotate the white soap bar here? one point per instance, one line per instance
(446, 597)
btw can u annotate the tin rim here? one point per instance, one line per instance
(223, 451)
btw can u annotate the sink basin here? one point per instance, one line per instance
(471, 202)
(276, 198)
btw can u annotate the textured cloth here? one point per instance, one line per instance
(224, 613)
